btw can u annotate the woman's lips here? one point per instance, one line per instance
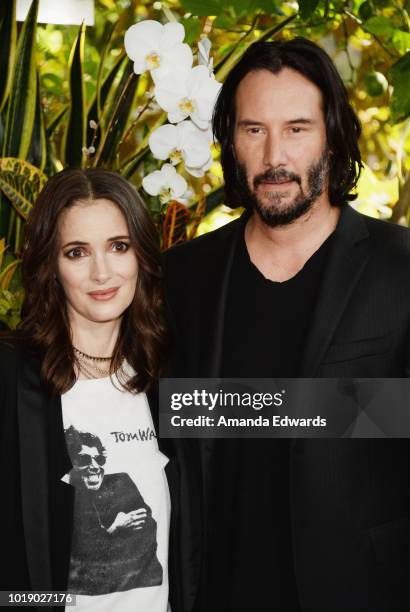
(103, 294)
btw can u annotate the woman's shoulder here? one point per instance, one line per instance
(8, 353)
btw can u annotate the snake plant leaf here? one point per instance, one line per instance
(22, 100)
(75, 135)
(104, 91)
(55, 122)
(8, 43)
(115, 120)
(37, 154)
(21, 183)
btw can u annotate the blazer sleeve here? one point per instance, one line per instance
(14, 574)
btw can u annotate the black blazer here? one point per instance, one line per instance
(36, 508)
(350, 499)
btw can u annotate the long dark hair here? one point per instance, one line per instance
(342, 125)
(45, 326)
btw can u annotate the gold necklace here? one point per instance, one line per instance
(91, 357)
(86, 363)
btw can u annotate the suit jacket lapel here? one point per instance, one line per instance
(217, 287)
(347, 260)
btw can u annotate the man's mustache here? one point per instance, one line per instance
(274, 175)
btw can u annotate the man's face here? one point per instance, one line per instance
(280, 144)
(88, 467)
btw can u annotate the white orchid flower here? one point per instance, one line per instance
(158, 48)
(199, 171)
(188, 93)
(182, 142)
(204, 49)
(165, 183)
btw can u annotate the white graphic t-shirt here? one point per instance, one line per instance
(122, 508)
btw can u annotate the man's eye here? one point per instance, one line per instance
(120, 247)
(75, 253)
(255, 130)
(296, 130)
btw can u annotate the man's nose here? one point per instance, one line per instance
(275, 151)
(93, 464)
(100, 268)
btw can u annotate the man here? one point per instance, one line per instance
(114, 543)
(300, 285)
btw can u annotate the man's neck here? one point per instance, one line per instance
(280, 252)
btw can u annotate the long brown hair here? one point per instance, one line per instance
(45, 326)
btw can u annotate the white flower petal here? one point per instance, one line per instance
(200, 170)
(153, 182)
(139, 67)
(204, 48)
(180, 56)
(178, 186)
(171, 89)
(202, 124)
(168, 172)
(142, 37)
(163, 140)
(194, 144)
(172, 34)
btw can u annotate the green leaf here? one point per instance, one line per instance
(21, 183)
(55, 122)
(22, 100)
(76, 129)
(38, 152)
(105, 91)
(401, 41)
(8, 42)
(116, 117)
(379, 26)
(307, 7)
(192, 29)
(203, 8)
(400, 76)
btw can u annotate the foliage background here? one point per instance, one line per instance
(55, 79)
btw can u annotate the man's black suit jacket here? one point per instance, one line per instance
(36, 509)
(349, 499)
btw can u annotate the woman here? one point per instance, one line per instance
(86, 506)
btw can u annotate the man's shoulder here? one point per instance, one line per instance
(203, 246)
(388, 236)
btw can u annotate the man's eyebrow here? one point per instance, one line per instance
(81, 243)
(248, 122)
(304, 120)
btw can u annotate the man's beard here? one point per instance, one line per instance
(275, 214)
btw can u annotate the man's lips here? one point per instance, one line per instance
(277, 183)
(103, 294)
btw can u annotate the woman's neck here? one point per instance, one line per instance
(95, 338)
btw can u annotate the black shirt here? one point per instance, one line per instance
(251, 557)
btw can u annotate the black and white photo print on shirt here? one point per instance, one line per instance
(119, 546)
(114, 546)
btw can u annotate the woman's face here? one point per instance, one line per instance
(97, 266)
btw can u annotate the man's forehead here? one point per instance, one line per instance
(287, 95)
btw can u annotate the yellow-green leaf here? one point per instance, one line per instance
(21, 183)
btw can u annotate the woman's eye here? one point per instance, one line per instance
(120, 247)
(75, 253)
(255, 130)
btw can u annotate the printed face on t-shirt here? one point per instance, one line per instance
(87, 467)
